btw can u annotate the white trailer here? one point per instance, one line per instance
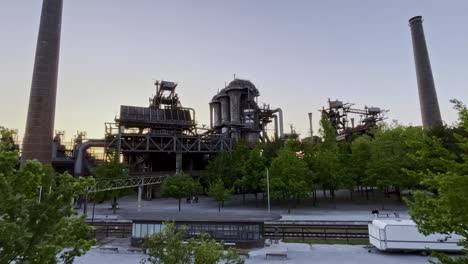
(403, 235)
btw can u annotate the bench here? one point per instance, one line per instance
(109, 249)
(243, 254)
(276, 254)
(388, 214)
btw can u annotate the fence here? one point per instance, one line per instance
(321, 231)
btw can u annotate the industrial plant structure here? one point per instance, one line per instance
(427, 93)
(163, 138)
(338, 113)
(235, 113)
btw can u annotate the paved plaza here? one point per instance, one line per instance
(297, 253)
(341, 209)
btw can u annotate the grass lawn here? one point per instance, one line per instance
(329, 242)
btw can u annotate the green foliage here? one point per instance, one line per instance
(221, 168)
(219, 193)
(206, 250)
(179, 186)
(111, 170)
(289, 175)
(253, 178)
(37, 220)
(444, 208)
(243, 170)
(270, 150)
(324, 159)
(359, 158)
(390, 155)
(168, 247)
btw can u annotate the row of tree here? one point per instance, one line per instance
(389, 159)
(38, 223)
(433, 164)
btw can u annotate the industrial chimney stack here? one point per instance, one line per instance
(427, 94)
(37, 142)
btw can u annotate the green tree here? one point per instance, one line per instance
(270, 150)
(179, 186)
(253, 179)
(238, 173)
(359, 158)
(325, 163)
(221, 168)
(389, 158)
(289, 176)
(219, 193)
(207, 251)
(444, 209)
(37, 220)
(112, 170)
(168, 247)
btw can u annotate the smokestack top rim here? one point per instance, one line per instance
(415, 19)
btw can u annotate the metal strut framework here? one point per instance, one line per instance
(102, 185)
(146, 143)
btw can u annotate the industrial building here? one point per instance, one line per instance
(163, 138)
(235, 113)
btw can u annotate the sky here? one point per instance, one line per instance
(297, 53)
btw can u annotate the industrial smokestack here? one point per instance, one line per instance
(37, 143)
(310, 124)
(427, 94)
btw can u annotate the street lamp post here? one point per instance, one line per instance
(268, 188)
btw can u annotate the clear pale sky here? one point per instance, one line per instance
(297, 53)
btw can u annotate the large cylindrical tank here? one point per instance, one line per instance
(235, 105)
(225, 109)
(216, 112)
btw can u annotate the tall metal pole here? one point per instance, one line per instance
(140, 190)
(268, 188)
(40, 193)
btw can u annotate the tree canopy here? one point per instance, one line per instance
(168, 247)
(179, 186)
(443, 207)
(37, 220)
(112, 169)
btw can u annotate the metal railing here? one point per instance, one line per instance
(320, 231)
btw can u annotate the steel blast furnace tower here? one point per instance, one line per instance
(427, 93)
(37, 142)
